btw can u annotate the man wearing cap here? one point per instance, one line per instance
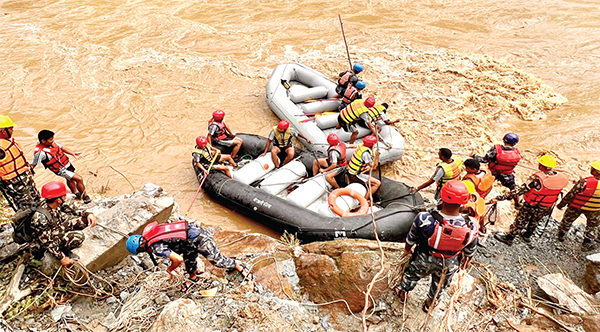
(220, 132)
(583, 198)
(16, 180)
(281, 136)
(53, 225)
(540, 192)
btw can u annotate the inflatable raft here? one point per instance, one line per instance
(291, 198)
(296, 92)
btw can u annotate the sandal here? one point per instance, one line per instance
(188, 284)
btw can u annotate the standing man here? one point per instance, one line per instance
(281, 136)
(540, 192)
(219, 131)
(335, 163)
(483, 181)
(16, 177)
(352, 93)
(348, 77)
(182, 242)
(583, 198)
(447, 170)
(362, 162)
(54, 157)
(437, 239)
(53, 227)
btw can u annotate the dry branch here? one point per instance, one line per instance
(13, 293)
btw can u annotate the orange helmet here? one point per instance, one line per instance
(455, 192)
(369, 141)
(283, 125)
(333, 139)
(54, 189)
(218, 115)
(201, 141)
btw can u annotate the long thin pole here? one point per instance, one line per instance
(201, 183)
(345, 42)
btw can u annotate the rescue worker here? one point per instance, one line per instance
(348, 77)
(281, 136)
(376, 113)
(583, 198)
(448, 169)
(54, 228)
(475, 208)
(335, 163)
(436, 239)
(349, 116)
(362, 162)
(483, 181)
(204, 154)
(502, 160)
(182, 242)
(352, 93)
(54, 157)
(219, 131)
(540, 192)
(16, 176)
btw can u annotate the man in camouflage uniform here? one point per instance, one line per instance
(182, 242)
(57, 231)
(583, 198)
(541, 192)
(16, 180)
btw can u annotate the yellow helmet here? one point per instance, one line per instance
(547, 160)
(596, 165)
(6, 122)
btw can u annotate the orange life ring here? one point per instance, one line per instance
(364, 206)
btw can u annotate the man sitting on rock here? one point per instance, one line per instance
(182, 242)
(53, 227)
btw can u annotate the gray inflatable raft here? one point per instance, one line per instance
(311, 92)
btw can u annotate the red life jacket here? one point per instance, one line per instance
(154, 232)
(341, 148)
(221, 132)
(506, 160)
(350, 95)
(343, 81)
(58, 158)
(589, 198)
(449, 240)
(552, 185)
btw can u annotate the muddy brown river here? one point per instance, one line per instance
(130, 84)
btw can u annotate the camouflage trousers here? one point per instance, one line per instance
(21, 190)
(591, 227)
(204, 245)
(68, 241)
(528, 218)
(422, 265)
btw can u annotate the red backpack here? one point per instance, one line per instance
(449, 240)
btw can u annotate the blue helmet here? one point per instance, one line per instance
(133, 244)
(360, 85)
(511, 138)
(357, 68)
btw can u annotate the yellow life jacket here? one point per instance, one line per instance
(14, 162)
(284, 140)
(451, 170)
(207, 154)
(375, 111)
(589, 198)
(356, 164)
(353, 111)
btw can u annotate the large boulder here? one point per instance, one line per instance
(591, 279)
(567, 294)
(182, 315)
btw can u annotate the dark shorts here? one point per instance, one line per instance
(360, 178)
(507, 180)
(348, 127)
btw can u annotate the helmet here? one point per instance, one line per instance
(370, 102)
(283, 125)
(6, 121)
(596, 165)
(133, 244)
(333, 139)
(360, 85)
(511, 138)
(218, 115)
(201, 141)
(369, 141)
(54, 189)
(357, 67)
(547, 160)
(455, 192)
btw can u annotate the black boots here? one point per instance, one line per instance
(506, 238)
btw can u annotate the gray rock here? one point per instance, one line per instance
(111, 300)
(109, 320)
(162, 299)
(124, 295)
(8, 247)
(59, 311)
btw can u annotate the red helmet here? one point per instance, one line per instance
(218, 115)
(370, 102)
(283, 125)
(333, 139)
(201, 141)
(54, 189)
(369, 141)
(455, 192)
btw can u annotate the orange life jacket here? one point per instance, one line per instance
(449, 240)
(589, 198)
(552, 185)
(221, 132)
(506, 160)
(341, 148)
(483, 185)
(14, 162)
(58, 158)
(154, 232)
(350, 95)
(343, 81)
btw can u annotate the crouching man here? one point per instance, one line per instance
(182, 242)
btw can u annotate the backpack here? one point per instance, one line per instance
(21, 223)
(449, 240)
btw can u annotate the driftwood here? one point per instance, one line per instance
(13, 293)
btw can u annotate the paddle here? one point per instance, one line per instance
(316, 116)
(201, 183)
(345, 42)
